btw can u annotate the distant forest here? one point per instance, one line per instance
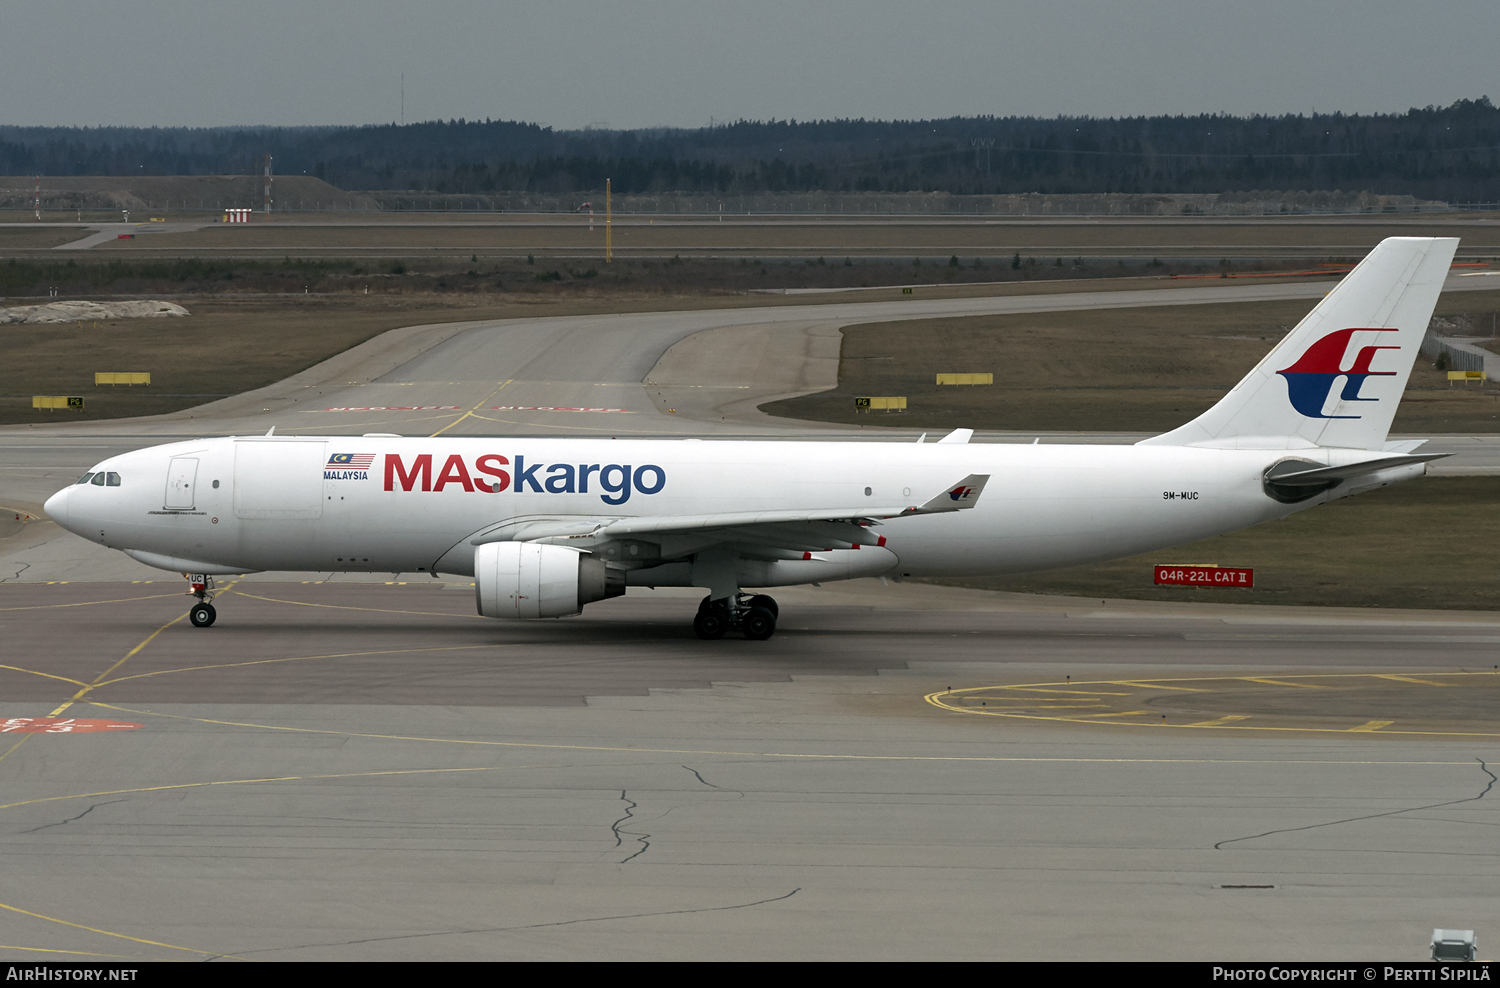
(1450, 153)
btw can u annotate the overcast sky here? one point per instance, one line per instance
(571, 63)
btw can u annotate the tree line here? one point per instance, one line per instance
(1450, 153)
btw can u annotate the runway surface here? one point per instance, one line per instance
(363, 769)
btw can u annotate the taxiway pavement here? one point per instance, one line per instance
(373, 773)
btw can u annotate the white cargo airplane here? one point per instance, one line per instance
(546, 526)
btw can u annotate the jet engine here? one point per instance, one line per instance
(534, 580)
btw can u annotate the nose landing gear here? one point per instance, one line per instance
(203, 614)
(754, 616)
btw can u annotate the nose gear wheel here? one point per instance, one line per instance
(202, 614)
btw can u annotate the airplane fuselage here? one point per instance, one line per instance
(416, 505)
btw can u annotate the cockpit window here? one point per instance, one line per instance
(98, 480)
(114, 479)
(86, 478)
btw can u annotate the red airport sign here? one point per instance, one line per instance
(1204, 576)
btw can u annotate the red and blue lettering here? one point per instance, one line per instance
(615, 481)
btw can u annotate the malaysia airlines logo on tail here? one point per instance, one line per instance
(961, 493)
(1310, 380)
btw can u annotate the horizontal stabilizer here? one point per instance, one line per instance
(1294, 481)
(1303, 474)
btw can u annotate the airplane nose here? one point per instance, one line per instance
(57, 507)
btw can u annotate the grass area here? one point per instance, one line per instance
(217, 351)
(1146, 370)
(1417, 544)
(43, 238)
(27, 280)
(1344, 237)
(115, 275)
(471, 272)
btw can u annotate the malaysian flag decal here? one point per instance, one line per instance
(348, 466)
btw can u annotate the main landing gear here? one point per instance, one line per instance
(753, 615)
(203, 614)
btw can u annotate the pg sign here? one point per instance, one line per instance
(1204, 576)
(57, 401)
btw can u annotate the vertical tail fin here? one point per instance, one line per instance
(1336, 379)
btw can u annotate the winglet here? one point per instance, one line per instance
(964, 494)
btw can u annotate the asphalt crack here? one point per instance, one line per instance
(24, 568)
(70, 819)
(1372, 816)
(697, 775)
(645, 839)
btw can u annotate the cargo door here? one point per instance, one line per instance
(278, 479)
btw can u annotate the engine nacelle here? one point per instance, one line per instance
(534, 580)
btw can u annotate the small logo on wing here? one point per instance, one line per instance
(960, 493)
(1311, 378)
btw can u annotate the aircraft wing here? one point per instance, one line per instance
(957, 497)
(795, 530)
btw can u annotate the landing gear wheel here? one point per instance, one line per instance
(769, 603)
(711, 623)
(202, 615)
(758, 624)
